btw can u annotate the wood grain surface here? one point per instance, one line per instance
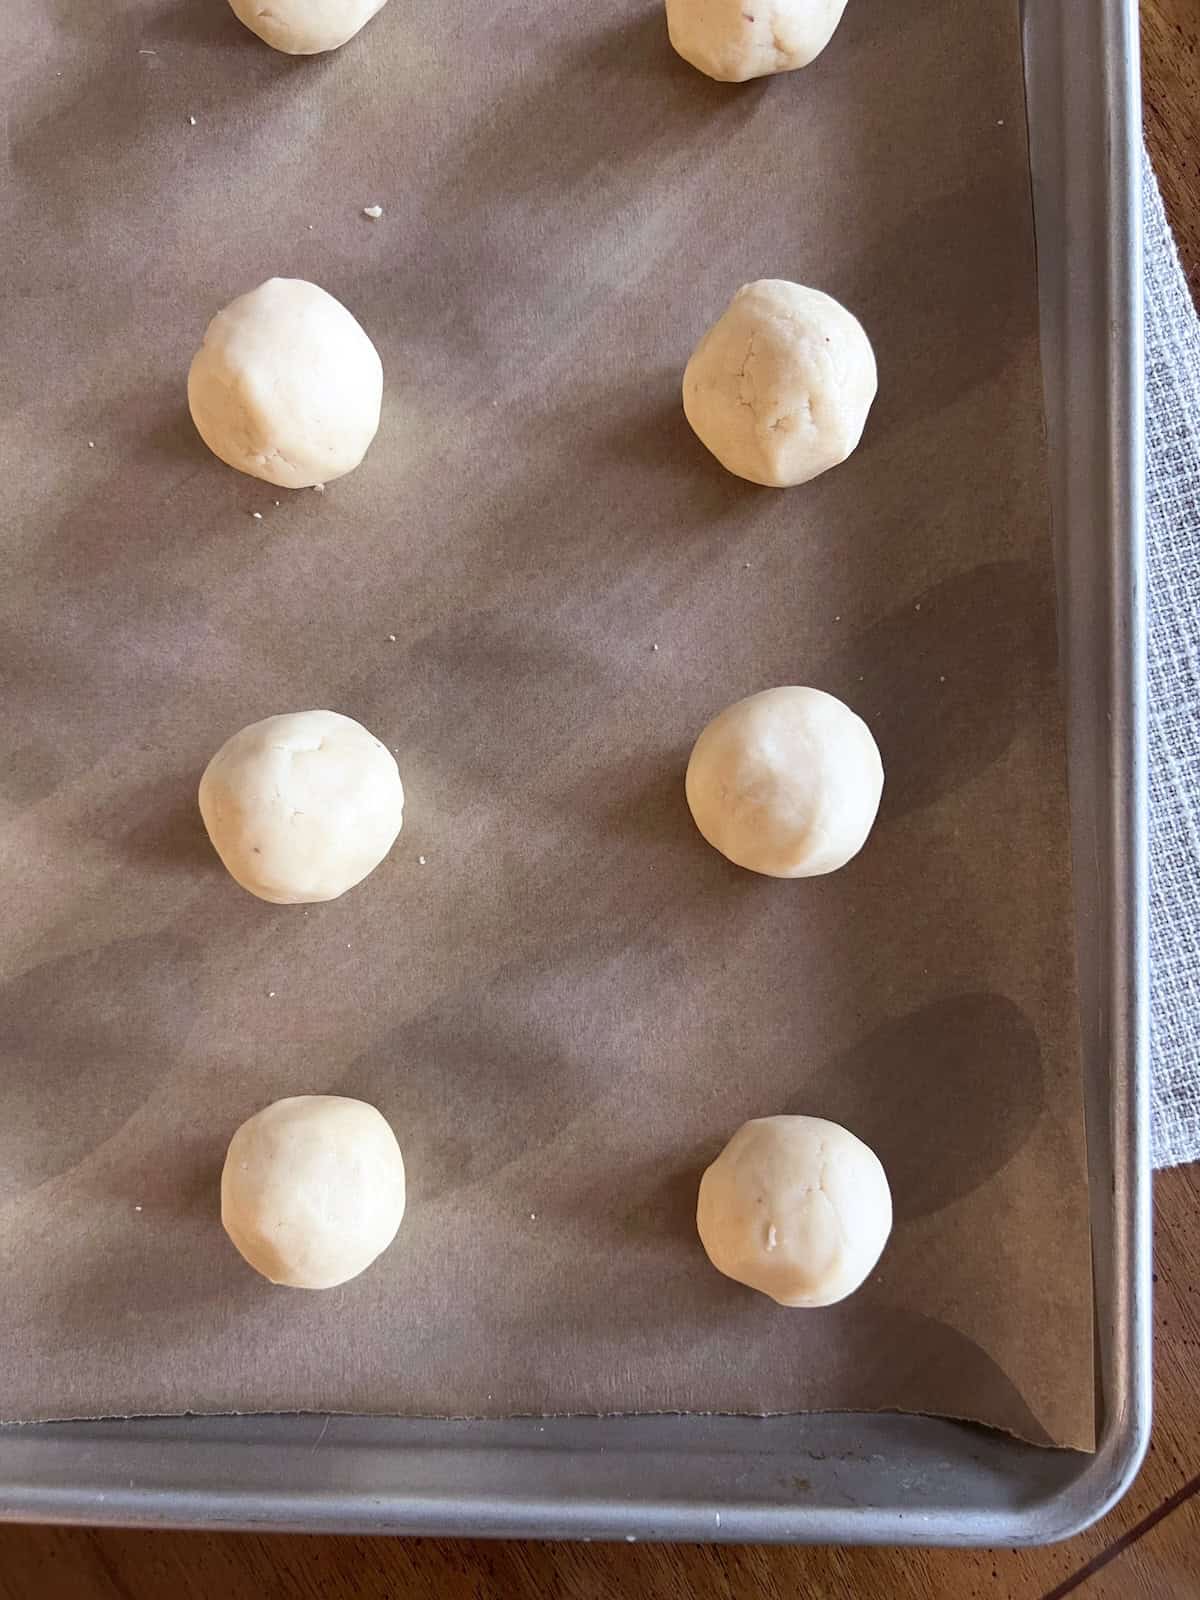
(1171, 90)
(1147, 1549)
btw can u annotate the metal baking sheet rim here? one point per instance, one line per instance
(822, 1477)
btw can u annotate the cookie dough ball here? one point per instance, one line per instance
(738, 39)
(797, 1208)
(780, 386)
(305, 27)
(786, 782)
(313, 1190)
(302, 807)
(286, 385)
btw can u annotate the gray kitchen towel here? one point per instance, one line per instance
(1173, 557)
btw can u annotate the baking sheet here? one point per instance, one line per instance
(570, 1005)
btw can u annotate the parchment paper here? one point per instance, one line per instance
(572, 1003)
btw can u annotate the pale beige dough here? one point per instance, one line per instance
(303, 806)
(796, 1207)
(786, 782)
(286, 386)
(780, 386)
(305, 27)
(738, 39)
(313, 1190)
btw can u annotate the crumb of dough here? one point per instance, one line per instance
(192, 121)
(319, 487)
(374, 212)
(257, 515)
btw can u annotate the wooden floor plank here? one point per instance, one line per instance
(1171, 92)
(1164, 1563)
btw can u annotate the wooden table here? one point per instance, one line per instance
(1171, 91)
(1147, 1549)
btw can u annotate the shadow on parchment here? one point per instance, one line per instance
(37, 762)
(642, 801)
(132, 93)
(863, 1354)
(519, 686)
(161, 827)
(85, 1040)
(176, 22)
(175, 440)
(484, 1077)
(925, 364)
(646, 427)
(945, 1097)
(859, 1354)
(938, 1370)
(622, 99)
(635, 437)
(122, 536)
(167, 1273)
(946, 679)
(567, 153)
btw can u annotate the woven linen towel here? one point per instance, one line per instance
(1173, 557)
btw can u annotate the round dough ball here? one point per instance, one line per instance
(313, 1190)
(286, 385)
(797, 1208)
(786, 782)
(302, 807)
(305, 27)
(738, 39)
(780, 386)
